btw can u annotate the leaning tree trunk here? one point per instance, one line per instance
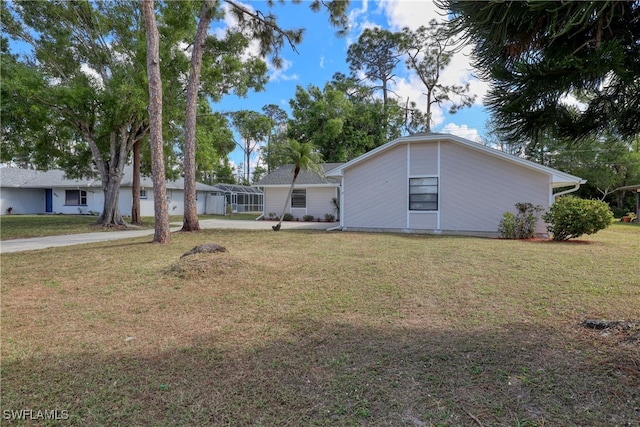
(162, 231)
(284, 210)
(190, 217)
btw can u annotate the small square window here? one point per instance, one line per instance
(75, 198)
(423, 194)
(299, 198)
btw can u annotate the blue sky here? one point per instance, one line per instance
(322, 54)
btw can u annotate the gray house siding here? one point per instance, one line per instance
(375, 192)
(476, 189)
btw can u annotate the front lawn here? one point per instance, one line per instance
(316, 328)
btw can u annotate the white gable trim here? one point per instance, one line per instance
(558, 179)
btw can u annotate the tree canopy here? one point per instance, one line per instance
(342, 122)
(538, 55)
(86, 73)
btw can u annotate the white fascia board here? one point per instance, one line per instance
(331, 185)
(558, 178)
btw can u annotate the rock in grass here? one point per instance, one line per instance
(207, 248)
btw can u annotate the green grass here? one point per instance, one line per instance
(331, 329)
(26, 226)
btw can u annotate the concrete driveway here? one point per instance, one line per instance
(19, 245)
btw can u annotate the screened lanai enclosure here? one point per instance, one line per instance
(241, 198)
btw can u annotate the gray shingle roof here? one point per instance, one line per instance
(27, 178)
(284, 174)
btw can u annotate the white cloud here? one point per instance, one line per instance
(409, 13)
(412, 88)
(462, 131)
(279, 74)
(94, 76)
(413, 14)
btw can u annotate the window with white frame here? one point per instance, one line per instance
(299, 198)
(75, 198)
(423, 194)
(143, 193)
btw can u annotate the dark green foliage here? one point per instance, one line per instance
(538, 53)
(570, 217)
(308, 217)
(343, 120)
(329, 217)
(521, 225)
(287, 217)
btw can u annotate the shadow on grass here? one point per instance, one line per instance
(334, 374)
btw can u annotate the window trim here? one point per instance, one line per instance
(82, 196)
(437, 194)
(302, 194)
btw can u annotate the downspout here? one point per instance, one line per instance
(571, 190)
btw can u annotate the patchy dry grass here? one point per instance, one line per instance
(315, 328)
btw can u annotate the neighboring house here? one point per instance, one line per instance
(312, 194)
(35, 192)
(436, 183)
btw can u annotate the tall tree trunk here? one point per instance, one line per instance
(162, 231)
(284, 210)
(111, 215)
(190, 218)
(135, 190)
(110, 176)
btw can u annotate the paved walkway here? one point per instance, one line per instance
(18, 245)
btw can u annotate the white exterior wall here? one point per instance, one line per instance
(274, 200)
(201, 202)
(22, 200)
(318, 201)
(476, 189)
(176, 202)
(95, 201)
(375, 192)
(33, 201)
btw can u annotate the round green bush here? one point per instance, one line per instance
(570, 217)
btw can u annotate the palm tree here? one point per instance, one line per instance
(303, 156)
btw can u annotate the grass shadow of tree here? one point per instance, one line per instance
(335, 374)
